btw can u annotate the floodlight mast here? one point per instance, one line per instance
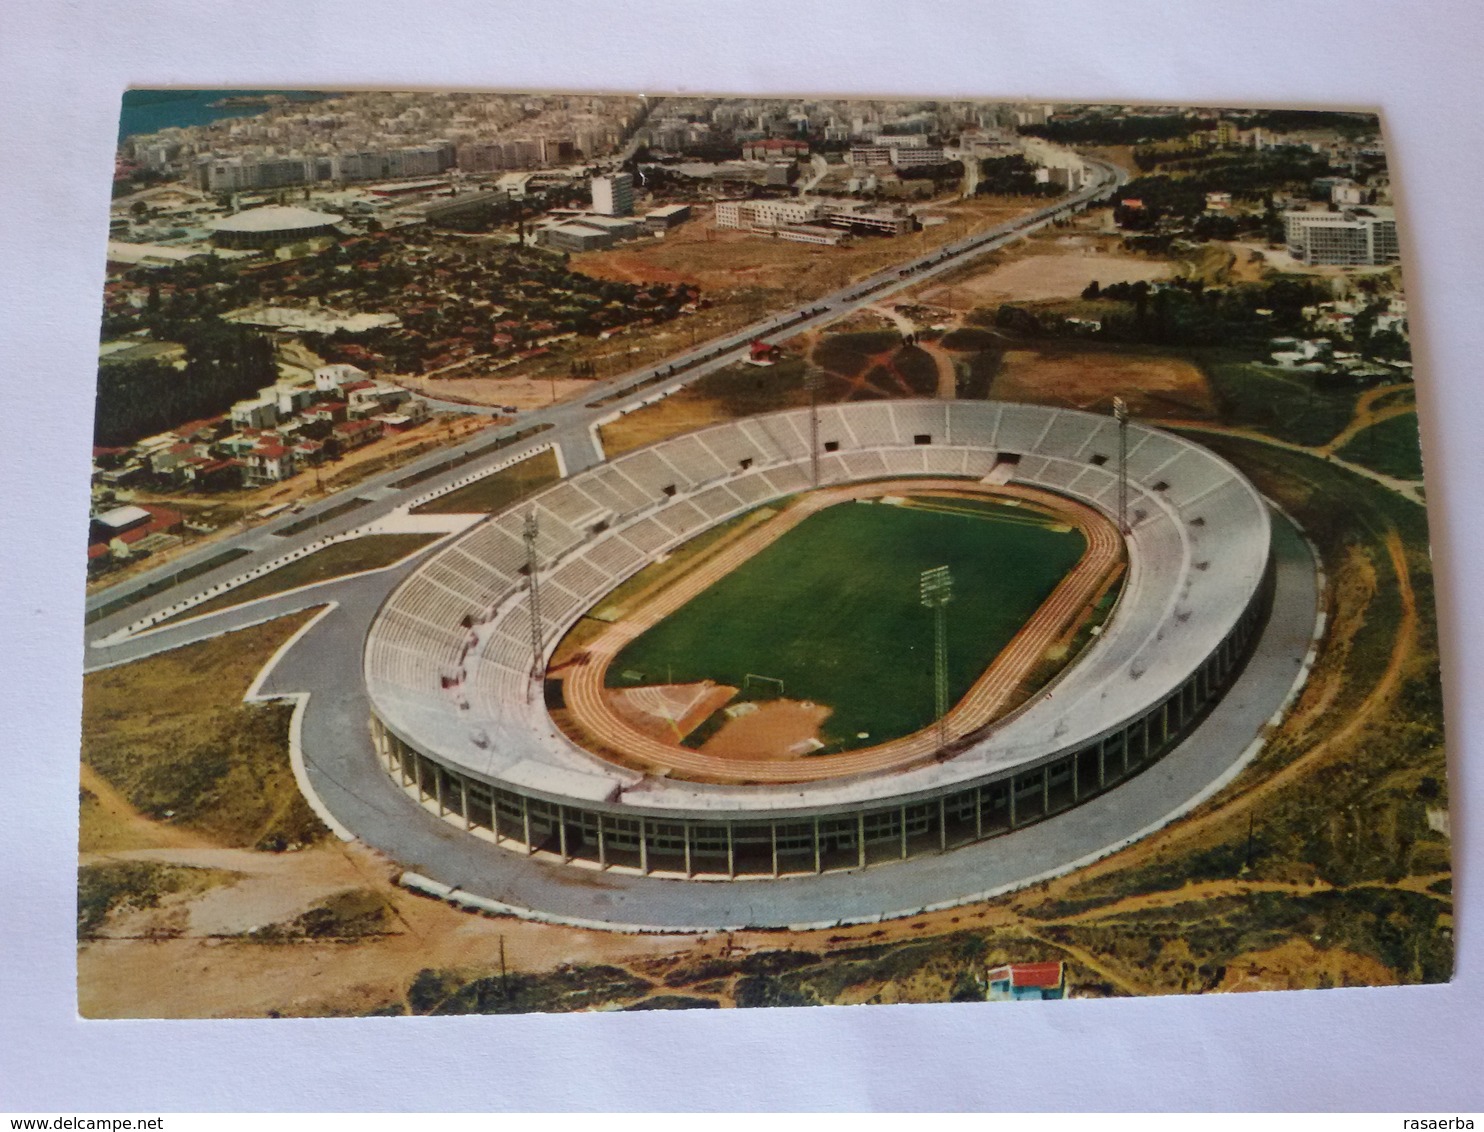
(1120, 414)
(936, 589)
(812, 381)
(532, 531)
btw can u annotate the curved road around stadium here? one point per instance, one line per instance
(584, 685)
(323, 671)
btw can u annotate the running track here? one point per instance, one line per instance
(985, 700)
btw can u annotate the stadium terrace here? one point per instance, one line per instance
(461, 723)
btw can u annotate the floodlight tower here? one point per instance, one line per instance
(812, 381)
(532, 531)
(1120, 413)
(937, 592)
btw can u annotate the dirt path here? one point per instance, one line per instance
(131, 825)
(1120, 979)
(947, 371)
(1407, 489)
(1187, 893)
(1321, 753)
(1364, 418)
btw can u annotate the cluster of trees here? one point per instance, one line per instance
(1012, 176)
(1186, 313)
(224, 363)
(940, 174)
(537, 292)
(1140, 129)
(181, 295)
(1372, 343)
(1247, 174)
(1285, 121)
(1123, 129)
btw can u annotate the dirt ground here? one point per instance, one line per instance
(1279, 968)
(724, 260)
(673, 415)
(778, 729)
(191, 958)
(492, 389)
(1062, 275)
(1153, 384)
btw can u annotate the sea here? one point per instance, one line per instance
(145, 111)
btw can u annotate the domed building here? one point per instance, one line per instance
(271, 226)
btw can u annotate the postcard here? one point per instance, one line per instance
(558, 551)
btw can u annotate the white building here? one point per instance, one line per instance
(329, 379)
(258, 412)
(1357, 237)
(614, 195)
(766, 213)
(291, 397)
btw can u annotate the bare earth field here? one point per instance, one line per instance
(1153, 384)
(521, 392)
(1063, 275)
(724, 261)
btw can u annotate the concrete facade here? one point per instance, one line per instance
(458, 729)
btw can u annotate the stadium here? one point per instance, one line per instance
(1149, 588)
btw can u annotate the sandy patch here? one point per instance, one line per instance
(1053, 276)
(1299, 965)
(522, 392)
(201, 975)
(1154, 385)
(778, 729)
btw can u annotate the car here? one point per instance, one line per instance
(508, 409)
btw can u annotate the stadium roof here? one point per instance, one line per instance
(274, 218)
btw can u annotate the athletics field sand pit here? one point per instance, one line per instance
(776, 729)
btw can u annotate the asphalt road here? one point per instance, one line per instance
(324, 669)
(571, 428)
(349, 782)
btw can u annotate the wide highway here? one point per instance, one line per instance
(570, 425)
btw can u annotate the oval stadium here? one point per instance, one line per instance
(818, 641)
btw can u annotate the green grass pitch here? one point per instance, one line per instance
(832, 609)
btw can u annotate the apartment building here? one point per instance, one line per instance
(614, 195)
(1355, 237)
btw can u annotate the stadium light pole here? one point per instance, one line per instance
(812, 381)
(1120, 414)
(937, 592)
(532, 531)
